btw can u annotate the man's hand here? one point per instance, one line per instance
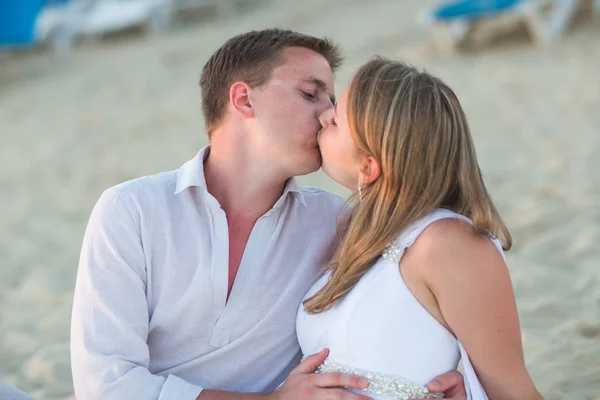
(451, 384)
(302, 383)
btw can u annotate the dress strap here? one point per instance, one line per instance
(418, 227)
(396, 249)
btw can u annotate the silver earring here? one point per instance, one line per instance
(360, 196)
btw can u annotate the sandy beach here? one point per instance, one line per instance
(128, 106)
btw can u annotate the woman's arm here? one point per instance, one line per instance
(470, 281)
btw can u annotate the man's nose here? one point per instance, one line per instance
(324, 119)
(324, 105)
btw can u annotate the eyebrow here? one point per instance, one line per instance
(321, 85)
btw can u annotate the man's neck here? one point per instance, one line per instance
(244, 186)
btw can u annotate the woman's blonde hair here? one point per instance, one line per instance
(414, 126)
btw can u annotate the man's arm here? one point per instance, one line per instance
(303, 384)
(222, 395)
(109, 327)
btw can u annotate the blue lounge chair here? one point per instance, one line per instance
(547, 19)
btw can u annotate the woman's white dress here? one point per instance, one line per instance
(380, 330)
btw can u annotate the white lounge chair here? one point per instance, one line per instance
(61, 25)
(178, 7)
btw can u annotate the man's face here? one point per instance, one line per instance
(287, 110)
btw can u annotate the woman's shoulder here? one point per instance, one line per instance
(452, 242)
(449, 231)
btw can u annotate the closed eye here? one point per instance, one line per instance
(309, 96)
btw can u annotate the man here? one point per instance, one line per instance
(190, 281)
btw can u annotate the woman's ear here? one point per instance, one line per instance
(369, 170)
(239, 97)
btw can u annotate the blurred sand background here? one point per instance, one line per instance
(129, 106)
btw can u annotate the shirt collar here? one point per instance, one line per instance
(291, 186)
(191, 174)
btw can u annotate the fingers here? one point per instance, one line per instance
(312, 362)
(303, 383)
(452, 380)
(338, 379)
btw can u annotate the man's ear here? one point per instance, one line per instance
(239, 97)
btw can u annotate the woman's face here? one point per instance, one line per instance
(338, 151)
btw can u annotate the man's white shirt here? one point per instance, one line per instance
(150, 317)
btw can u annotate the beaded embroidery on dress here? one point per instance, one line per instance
(380, 331)
(382, 384)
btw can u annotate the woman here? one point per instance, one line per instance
(419, 272)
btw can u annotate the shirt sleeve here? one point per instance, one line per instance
(109, 326)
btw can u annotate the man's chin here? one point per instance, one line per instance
(309, 168)
(319, 162)
(308, 171)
